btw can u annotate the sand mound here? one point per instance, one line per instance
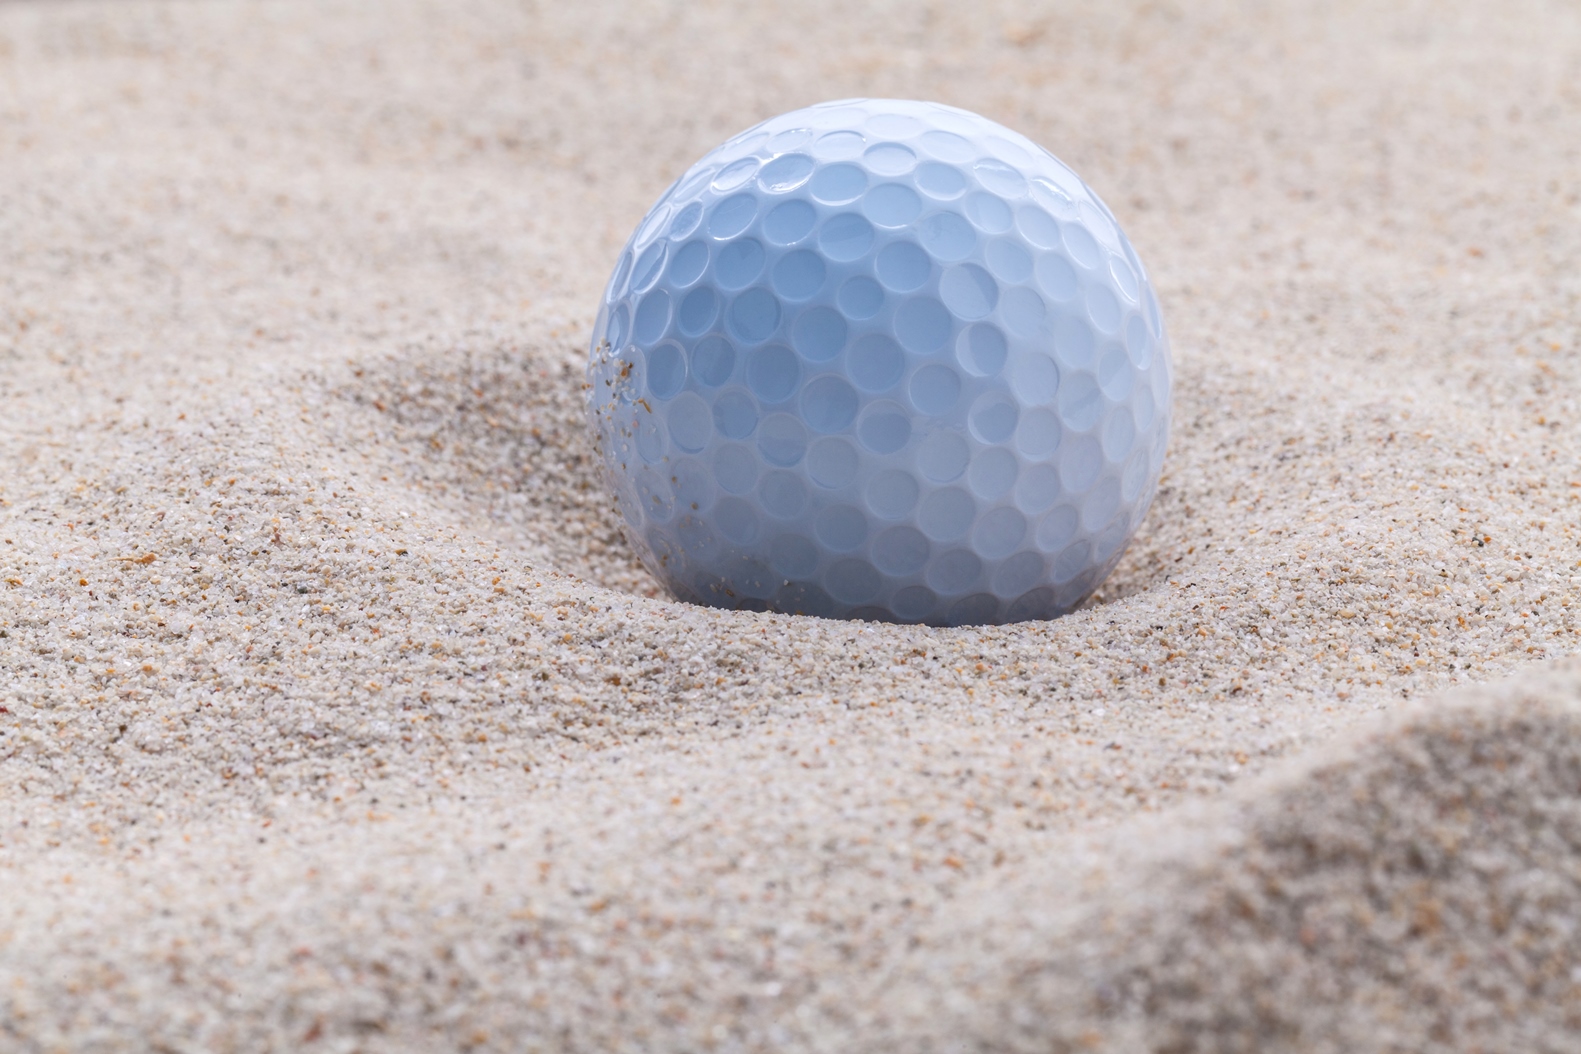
(1416, 885)
(504, 436)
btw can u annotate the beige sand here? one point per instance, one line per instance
(335, 715)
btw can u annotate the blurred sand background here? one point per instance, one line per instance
(335, 715)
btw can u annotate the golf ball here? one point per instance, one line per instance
(884, 360)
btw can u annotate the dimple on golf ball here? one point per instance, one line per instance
(885, 360)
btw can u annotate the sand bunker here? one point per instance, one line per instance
(336, 715)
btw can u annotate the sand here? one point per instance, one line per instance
(336, 715)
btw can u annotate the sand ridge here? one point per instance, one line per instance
(336, 715)
(1416, 854)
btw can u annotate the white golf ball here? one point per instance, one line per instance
(885, 360)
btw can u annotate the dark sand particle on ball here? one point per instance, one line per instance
(335, 714)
